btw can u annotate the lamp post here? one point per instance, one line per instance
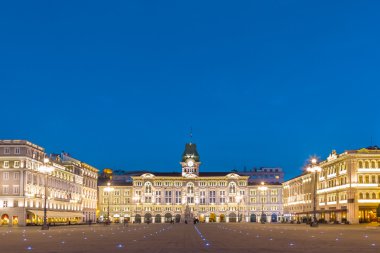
(238, 199)
(262, 190)
(108, 189)
(314, 168)
(45, 169)
(136, 199)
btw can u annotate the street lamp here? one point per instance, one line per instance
(136, 199)
(45, 169)
(262, 190)
(314, 168)
(108, 189)
(238, 199)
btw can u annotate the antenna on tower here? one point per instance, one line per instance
(191, 134)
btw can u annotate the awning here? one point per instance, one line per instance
(54, 214)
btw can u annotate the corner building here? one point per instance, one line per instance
(71, 187)
(189, 194)
(347, 189)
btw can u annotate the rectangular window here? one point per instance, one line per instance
(16, 175)
(5, 203)
(190, 200)
(202, 195)
(17, 151)
(16, 164)
(5, 189)
(5, 175)
(16, 189)
(274, 192)
(7, 151)
(158, 196)
(178, 197)
(168, 197)
(212, 196)
(6, 164)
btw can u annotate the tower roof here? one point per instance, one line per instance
(190, 152)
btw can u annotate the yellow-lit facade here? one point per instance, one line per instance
(347, 188)
(207, 196)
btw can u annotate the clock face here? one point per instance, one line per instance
(190, 163)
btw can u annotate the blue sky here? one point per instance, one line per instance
(262, 83)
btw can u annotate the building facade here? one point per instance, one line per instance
(23, 185)
(264, 174)
(189, 194)
(297, 198)
(347, 188)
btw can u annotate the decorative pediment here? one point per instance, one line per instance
(232, 175)
(190, 175)
(363, 150)
(147, 175)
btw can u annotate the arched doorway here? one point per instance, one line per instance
(4, 219)
(127, 218)
(168, 217)
(157, 218)
(263, 218)
(222, 218)
(177, 218)
(212, 217)
(274, 217)
(232, 217)
(138, 218)
(253, 217)
(148, 218)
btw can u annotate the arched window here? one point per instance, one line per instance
(367, 195)
(148, 187)
(374, 195)
(232, 188)
(360, 179)
(190, 188)
(366, 164)
(373, 179)
(360, 164)
(360, 195)
(373, 164)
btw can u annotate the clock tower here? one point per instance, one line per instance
(190, 161)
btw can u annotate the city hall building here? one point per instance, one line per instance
(70, 185)
(188, 194)
(347, 188)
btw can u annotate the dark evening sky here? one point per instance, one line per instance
(262, 83)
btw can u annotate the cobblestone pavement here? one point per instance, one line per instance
(167, 238)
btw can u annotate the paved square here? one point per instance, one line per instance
(166, 238)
